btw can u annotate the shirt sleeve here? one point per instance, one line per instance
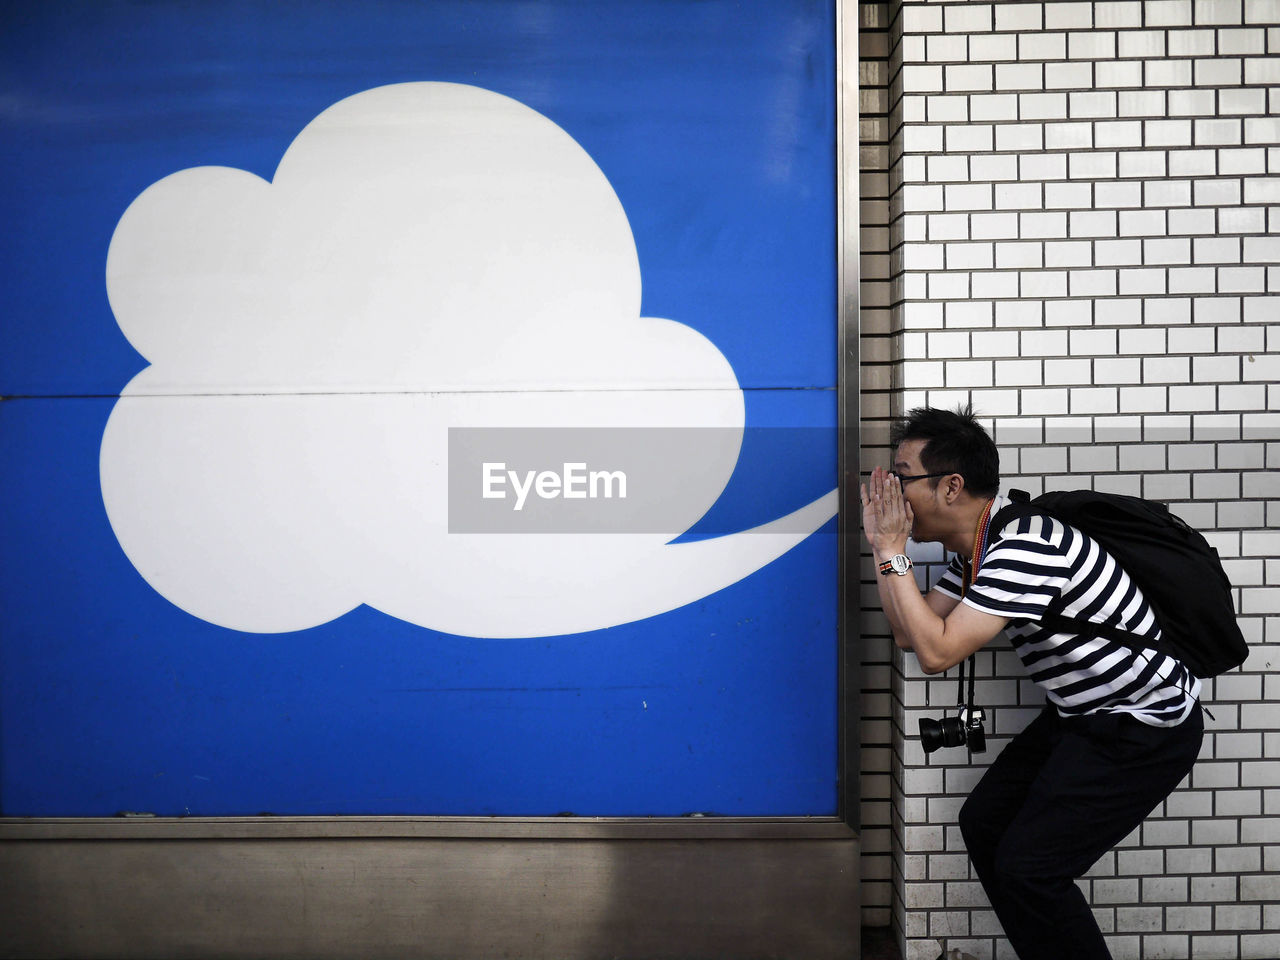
(1019, 578)
(952, 580)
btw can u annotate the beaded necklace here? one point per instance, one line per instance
(979, 546)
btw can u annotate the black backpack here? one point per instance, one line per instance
(1175, 567)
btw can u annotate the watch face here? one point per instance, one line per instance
(900, 564)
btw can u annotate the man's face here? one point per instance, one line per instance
(921, 494)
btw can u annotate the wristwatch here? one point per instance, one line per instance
(899, 564)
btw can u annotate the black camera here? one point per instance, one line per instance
(955, 731)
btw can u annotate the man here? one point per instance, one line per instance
(1120, 730)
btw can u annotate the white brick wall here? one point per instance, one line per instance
(1071, 212)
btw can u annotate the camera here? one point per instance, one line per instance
(955, 731)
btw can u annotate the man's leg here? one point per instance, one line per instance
(1099, 782)
(1000, 794)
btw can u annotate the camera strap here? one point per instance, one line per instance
(964, 697)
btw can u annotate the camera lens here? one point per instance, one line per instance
(947, 732)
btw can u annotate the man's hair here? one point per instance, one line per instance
(954, 443)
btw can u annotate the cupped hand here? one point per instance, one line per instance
(886, 514)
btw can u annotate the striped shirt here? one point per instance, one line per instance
(1035, 562)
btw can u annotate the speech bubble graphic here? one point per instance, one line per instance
(427, 256)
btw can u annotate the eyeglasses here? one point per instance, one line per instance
(919, 476)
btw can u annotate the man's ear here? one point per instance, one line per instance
(952, 487)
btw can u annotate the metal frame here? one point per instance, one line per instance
(123, 886)
(848, 247)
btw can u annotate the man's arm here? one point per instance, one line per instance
(938, 628)
(939, 641)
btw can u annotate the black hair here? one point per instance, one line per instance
(955, 442)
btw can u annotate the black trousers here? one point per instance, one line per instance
(1059, 796)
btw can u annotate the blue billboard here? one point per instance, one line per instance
(266, 258)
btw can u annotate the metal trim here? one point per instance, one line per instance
(848, 225)
(380, 828)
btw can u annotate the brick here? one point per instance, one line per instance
(1092, 283)
(1117, 252)
(989, 48)
(1118, 133)
(1188, 918)
(1091, 45)
(1167, 193)
(1142, 44)
(1143, 163)
(1016, 254)
(1143, 341)
(948, 168)
(1020, 136)
(1242, 279)
(994, 226)
(969, 77)
(1262, 130)
(1096, 165)
(1242, 101)
(1228, 72)
(1168, 133)
(1193, 163)
(1192, 222)
(968, 18)
(944, 47)
(1167, 251)
(1244, 161)
(1167, 13)
(1042, 45)
(994, 107)
(1218, 11)
(1219, 132)
(1167, 310)
(1068, 75)
(1167, 73)
(1192, 103)
(1143, 223)
(1148, 282)
(1261, 190)
(1193, 280)
(1191, 43)
(1139, 919)
(1068, 196)
(1068, 136)
(970, 138)
(1115, 891)
(1166, 946)
(1216, 250)
(1042, 225)
(921, 78)
(1118, 74)
(1042, 106)
(1019, 17)
(1241, 40)
(1260, 70)
(1260, 945)
(1262, 11)
(1221, 192)
(1117, 13)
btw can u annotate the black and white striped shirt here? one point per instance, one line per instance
(1037, 560)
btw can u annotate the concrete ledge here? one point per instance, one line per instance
(454, 888)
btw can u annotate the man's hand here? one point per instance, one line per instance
(886, 515)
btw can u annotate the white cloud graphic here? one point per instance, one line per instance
(427, 256)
